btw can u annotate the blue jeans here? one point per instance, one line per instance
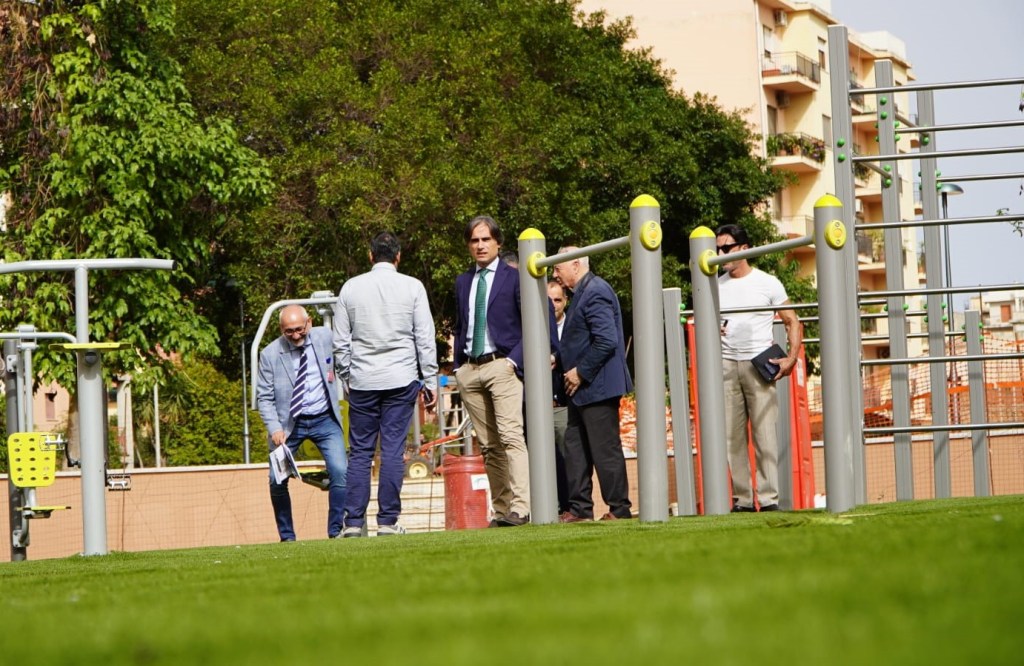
(386, 414)
(325, 433)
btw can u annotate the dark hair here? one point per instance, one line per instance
(509, 257)
(385, 247)
(736, 231)
(492, 227)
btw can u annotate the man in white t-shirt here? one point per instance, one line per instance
(748, 397)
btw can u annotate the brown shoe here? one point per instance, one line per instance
(609, 516)
(570, 517)
(513, 520)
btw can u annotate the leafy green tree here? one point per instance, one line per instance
(415, 116)
(104, 156)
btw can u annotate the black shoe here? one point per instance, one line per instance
(494, 523)
(770, 507)
(513, 520)
(737, 508)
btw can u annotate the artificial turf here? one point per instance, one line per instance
(935, 582)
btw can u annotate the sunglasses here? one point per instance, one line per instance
(728, 247)
(293, 331)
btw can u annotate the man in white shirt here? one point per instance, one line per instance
(748, 397)
(386, 355)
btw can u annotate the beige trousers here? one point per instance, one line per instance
(750, 398)
(493, 396)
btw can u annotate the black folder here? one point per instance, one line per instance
(765, 368)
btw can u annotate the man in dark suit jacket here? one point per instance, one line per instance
(592, 354)
(488, 368)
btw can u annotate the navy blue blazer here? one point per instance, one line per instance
(504, 316)
(593, 342)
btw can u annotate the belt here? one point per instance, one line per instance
(314, 416)
(486, 358)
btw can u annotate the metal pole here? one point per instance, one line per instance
(245, 397)
(649, 357)
(679, 394)
(15, 497)
(830, 237)
(976, 390)
(156, 424)
(710, 373)
(540, 423)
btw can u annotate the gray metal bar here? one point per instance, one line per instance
(830, 236)
(934, 277)
(960, 126)
(942, 222)
(943, 290)
(37, 335)
(783, 431)
(578, 253)
(679, 395)
(965, 152)
(914, 87)
(894, 281)
(936, 360)
(15, 498)
(983, 176)
(843, 135)
(540, 424)
(649, 357)
(976, 392)
(66, 265)
(714, 461)
(1011, 425)
(761, 250)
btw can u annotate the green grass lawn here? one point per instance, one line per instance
(938, 582)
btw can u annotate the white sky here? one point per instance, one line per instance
(948, 41)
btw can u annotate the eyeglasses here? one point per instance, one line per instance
(295, 330)
(728, 247)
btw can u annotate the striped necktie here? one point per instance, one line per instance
(479, 314)
(299, 391)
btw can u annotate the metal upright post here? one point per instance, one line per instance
(842, 135)
(540, 424)
(15, 496)
(933, 279)
(783, 426)
(976, 383)
(897, 317)
(649, 357)
(830, 236)
(679, 394)
(710, 374)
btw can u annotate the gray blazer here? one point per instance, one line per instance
(276, 378)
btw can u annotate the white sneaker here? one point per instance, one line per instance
(352, 531)
(390, 530)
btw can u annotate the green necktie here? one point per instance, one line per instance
(479, 314)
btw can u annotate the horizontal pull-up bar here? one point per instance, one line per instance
(942, 359)
(761, 250)
(581, 252)
(961, 126)
(983, 176)
(943, 291)
(903, 224)
(938, 86)
(945, 428)
(967, 152)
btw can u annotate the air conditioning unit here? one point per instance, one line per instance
(782, 99)
(781, 18)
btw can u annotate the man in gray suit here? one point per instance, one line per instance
(298, 400)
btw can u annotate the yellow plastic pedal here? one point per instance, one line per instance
(41, 511)
(33, 458)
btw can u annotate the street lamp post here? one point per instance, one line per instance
(946, 190)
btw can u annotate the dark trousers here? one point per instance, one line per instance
(592, 442)
(385, 415)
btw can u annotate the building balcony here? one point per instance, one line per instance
(790, 72)
(796, 152)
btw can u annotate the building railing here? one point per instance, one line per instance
(796, 143)
(791, 62)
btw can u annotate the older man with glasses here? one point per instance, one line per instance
(748, 397)
(298, 400)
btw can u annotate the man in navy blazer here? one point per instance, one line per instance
(313, 414)
(488, 369)
(592, 355)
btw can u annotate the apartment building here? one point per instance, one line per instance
(1002, 313)
(769, 60)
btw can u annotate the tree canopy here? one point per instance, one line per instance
(416, 116)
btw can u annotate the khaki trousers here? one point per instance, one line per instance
(493, 396)
(749, 398)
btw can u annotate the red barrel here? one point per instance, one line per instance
(466, 500)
